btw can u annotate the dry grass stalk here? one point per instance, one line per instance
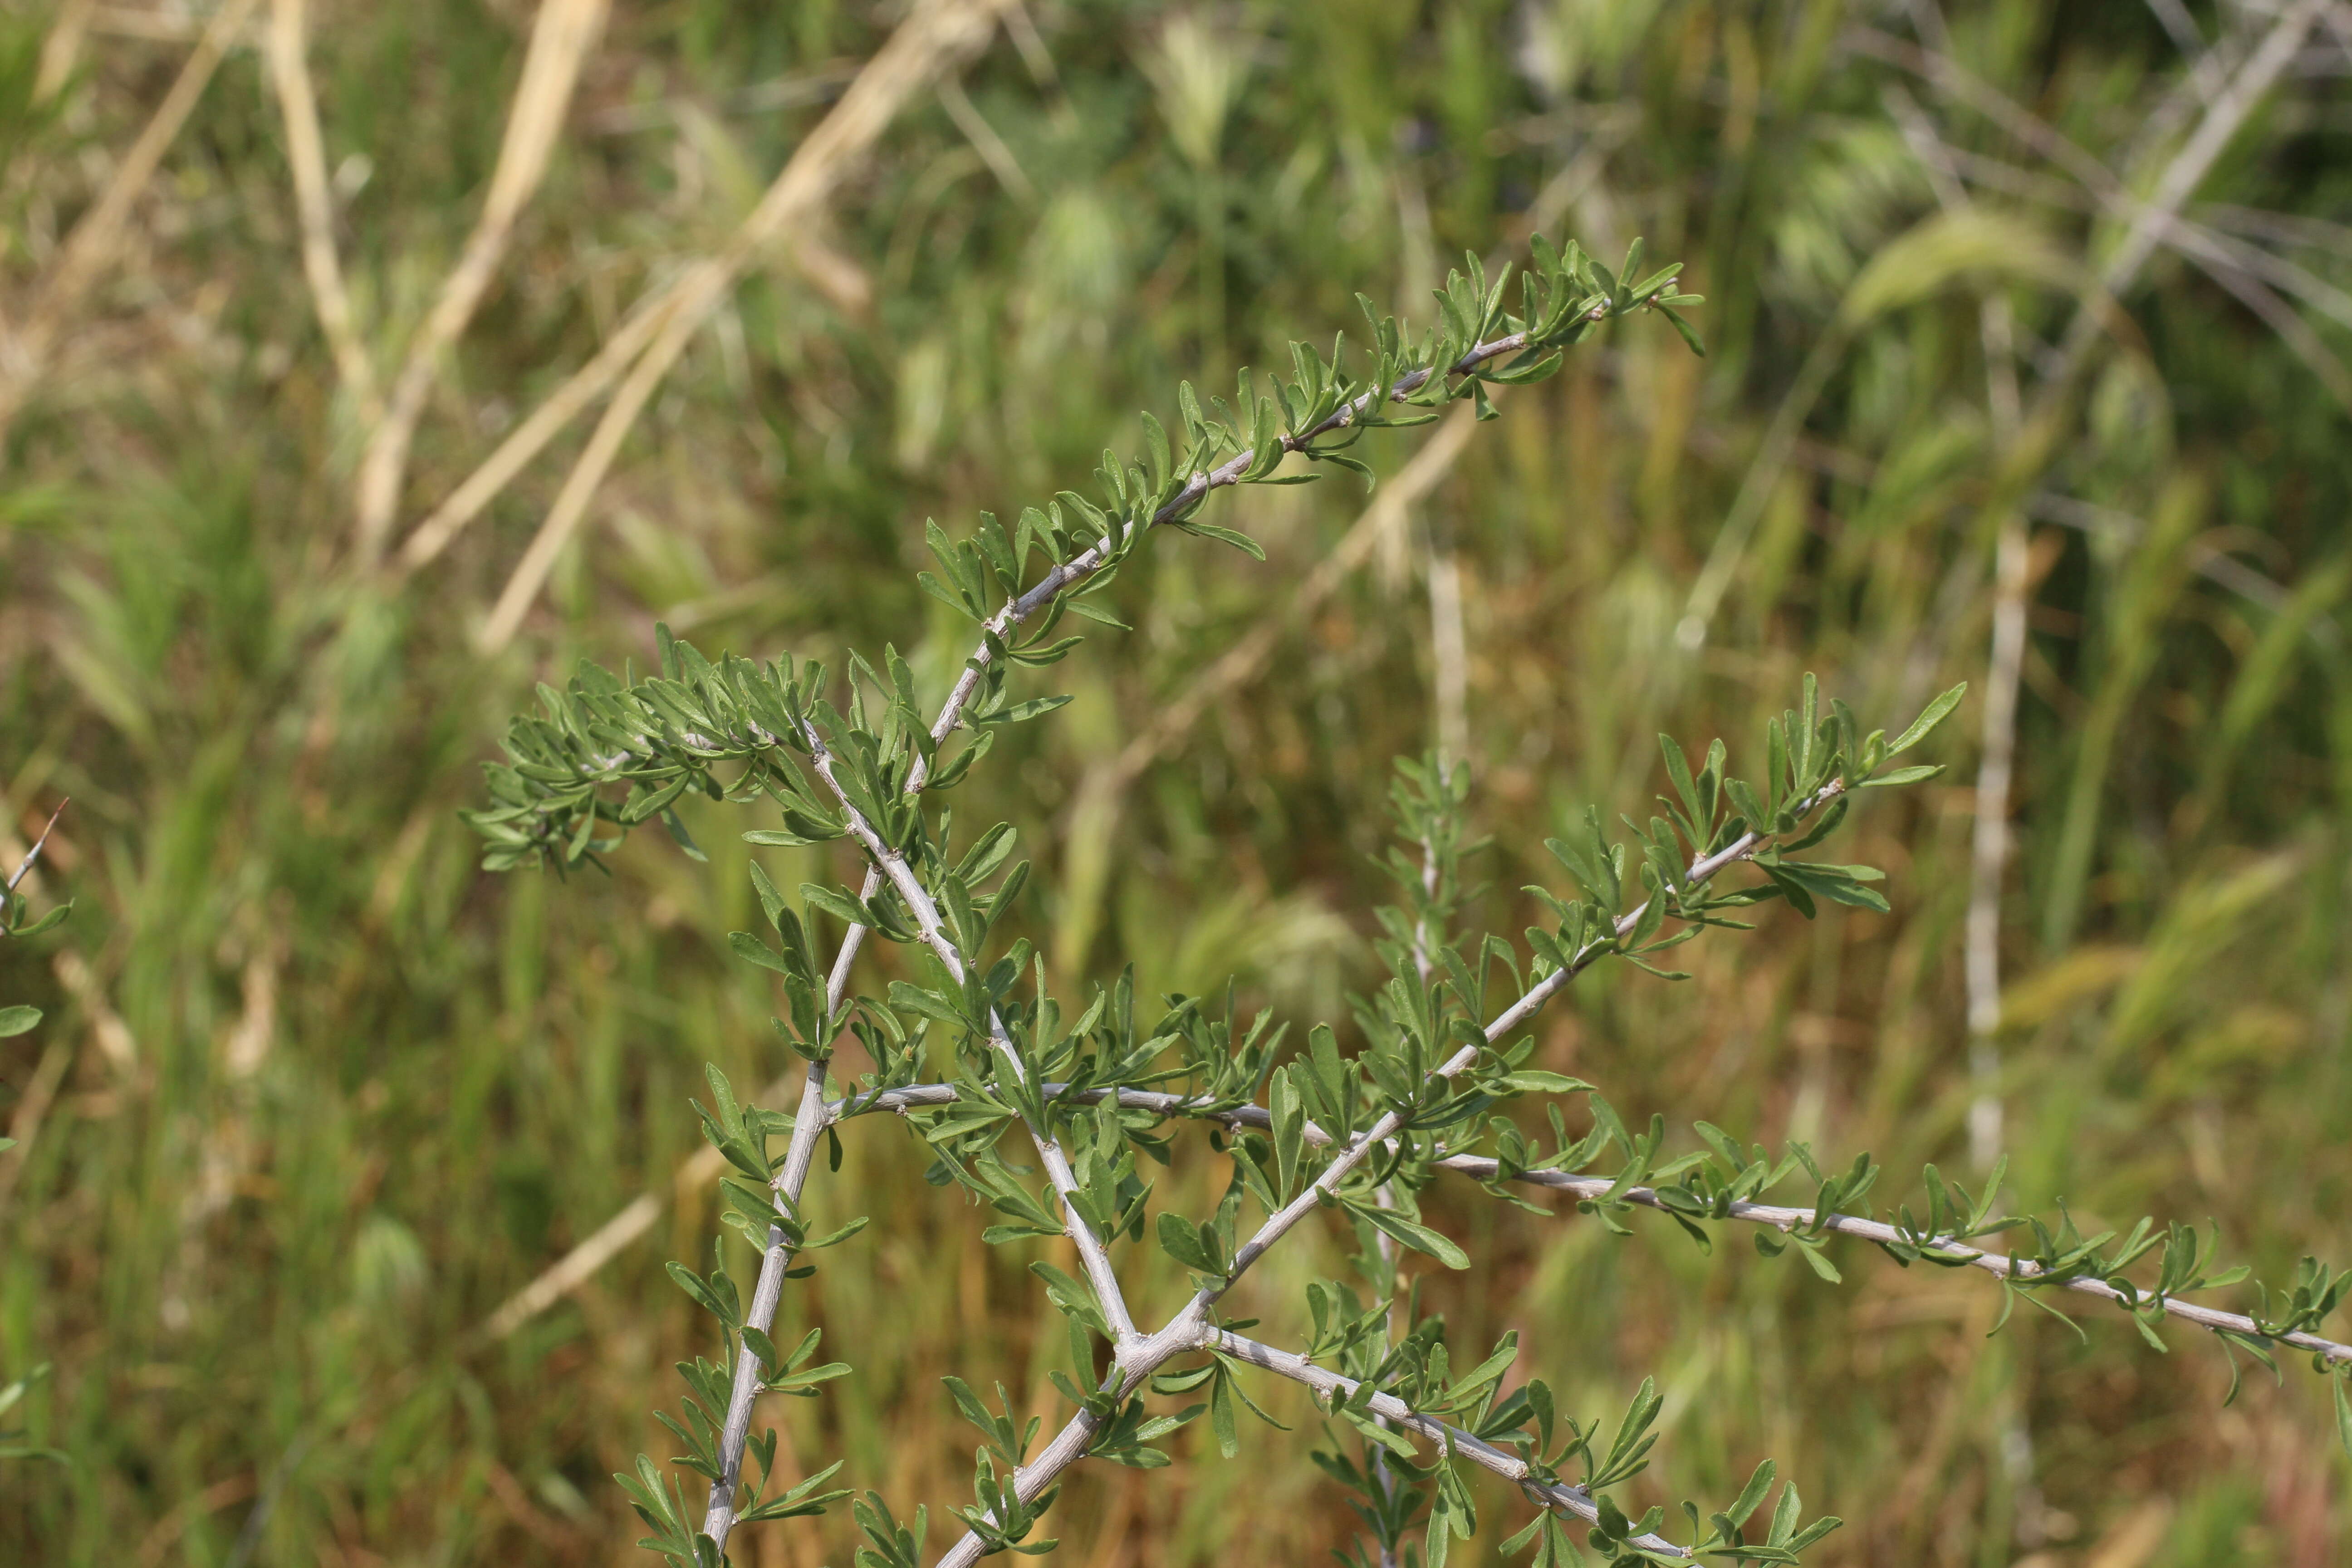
(926, 45)
(61, 48)
(96, 238)
(163, 22)
(559, 41)
(289, 72)
(584, 386)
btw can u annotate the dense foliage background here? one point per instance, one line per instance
(314, 1095)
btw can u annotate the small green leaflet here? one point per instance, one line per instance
(1420, 1238)
(1934, 714)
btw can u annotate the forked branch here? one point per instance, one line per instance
(1362, 1132)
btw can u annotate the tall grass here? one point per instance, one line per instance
(325, 1096)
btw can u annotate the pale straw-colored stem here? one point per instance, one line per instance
(929, 42)
(561, 40)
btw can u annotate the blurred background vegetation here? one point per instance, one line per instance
(314, 1096)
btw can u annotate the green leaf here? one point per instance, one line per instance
(1751, 1497)
(671, 820)
(839, 905)
(1420, 1238)
(772, 902)
(17, 1020)
(748, 946)
(1838, 884)
(1241, 541)
(835, 1237)
(1689, 334)
(1289, 1130)
(1821, 1265)
(2344, 1409)
(1181, 1241)
(1933, 715)
(931, 1005)
(1529, 1081)
(1021, 712)
(1095, 612)
(1901, 776)
(692, 1284)
(945, 596)
(53, 917)
(1800, 899)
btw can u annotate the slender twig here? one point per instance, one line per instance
(1450, 1439)
(2248, 272)
(2001, 1265)
(1480, 1168)
(934, 33)
(1448, 651)
(766, 1292)
(24, 1122)
(34, 854)
(582, 387)
(1385, 513)
(920, 903)
(1530, 1002)
(1384, 520)
(1988, 844)
(2224, 115)
(1385, 1194)
(1989, 838)
(61, 48)
(985, 141)
(580, 1265)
